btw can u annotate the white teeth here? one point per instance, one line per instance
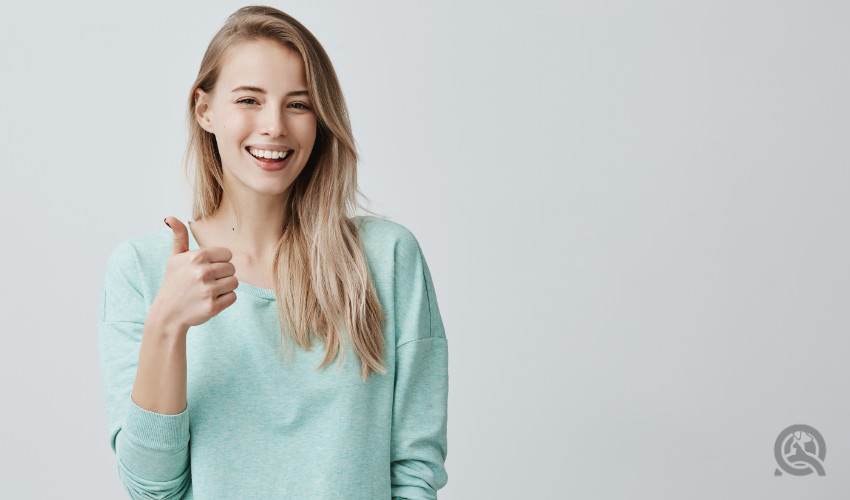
(262, 153)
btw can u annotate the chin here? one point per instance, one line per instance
(273, 189)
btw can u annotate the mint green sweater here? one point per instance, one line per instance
(262, 426)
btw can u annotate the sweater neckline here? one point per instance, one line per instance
(263, 293)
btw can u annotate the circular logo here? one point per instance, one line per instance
(800, 451)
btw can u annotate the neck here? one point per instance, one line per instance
(256, 233)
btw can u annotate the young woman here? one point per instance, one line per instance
(200, 403)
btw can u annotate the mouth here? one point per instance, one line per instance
(270, 160)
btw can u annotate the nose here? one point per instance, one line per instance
(274, 122)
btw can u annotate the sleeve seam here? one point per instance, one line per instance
(138, 273)
(427, 284)
(427, 293)
(419, 340)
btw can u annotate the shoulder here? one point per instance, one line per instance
(132, 276)
(143, 247)
(402, 279)
(141, 259)
(387, 240)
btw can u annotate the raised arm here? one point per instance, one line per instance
(141, 355)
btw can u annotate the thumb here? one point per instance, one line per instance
(181, 235)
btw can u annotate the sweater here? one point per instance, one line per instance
(259, 425)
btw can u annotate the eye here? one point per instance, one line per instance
(303, 106)
(245, 101)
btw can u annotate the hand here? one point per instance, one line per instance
(198, 284)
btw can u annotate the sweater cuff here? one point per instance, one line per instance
(156, 431)
(153, 445)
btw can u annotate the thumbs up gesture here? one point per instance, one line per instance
(198, 284)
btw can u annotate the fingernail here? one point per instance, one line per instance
(166, 222)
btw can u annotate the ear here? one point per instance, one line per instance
(202, 110)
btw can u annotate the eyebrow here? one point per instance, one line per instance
(262, 91)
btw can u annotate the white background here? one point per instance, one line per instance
(635, 216)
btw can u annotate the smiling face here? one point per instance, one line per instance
(260, 104)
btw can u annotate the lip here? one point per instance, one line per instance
(270, 167)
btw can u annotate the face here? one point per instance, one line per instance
(260, 104)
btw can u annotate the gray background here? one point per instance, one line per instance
(635, 215)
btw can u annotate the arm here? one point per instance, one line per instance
(152, 449)
(418, 445)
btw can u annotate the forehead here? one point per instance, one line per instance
(262, 63)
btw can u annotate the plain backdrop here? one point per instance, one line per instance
(635, 215)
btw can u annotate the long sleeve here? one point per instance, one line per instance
(152, 449)
(418, 443)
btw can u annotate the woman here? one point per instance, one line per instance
(200, 404)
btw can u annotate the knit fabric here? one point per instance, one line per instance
(261, 425)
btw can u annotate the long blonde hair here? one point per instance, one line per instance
(322, 280)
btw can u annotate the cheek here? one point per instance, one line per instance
(238, 122)
(308, 130)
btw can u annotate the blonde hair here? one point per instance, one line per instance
(322, 280)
